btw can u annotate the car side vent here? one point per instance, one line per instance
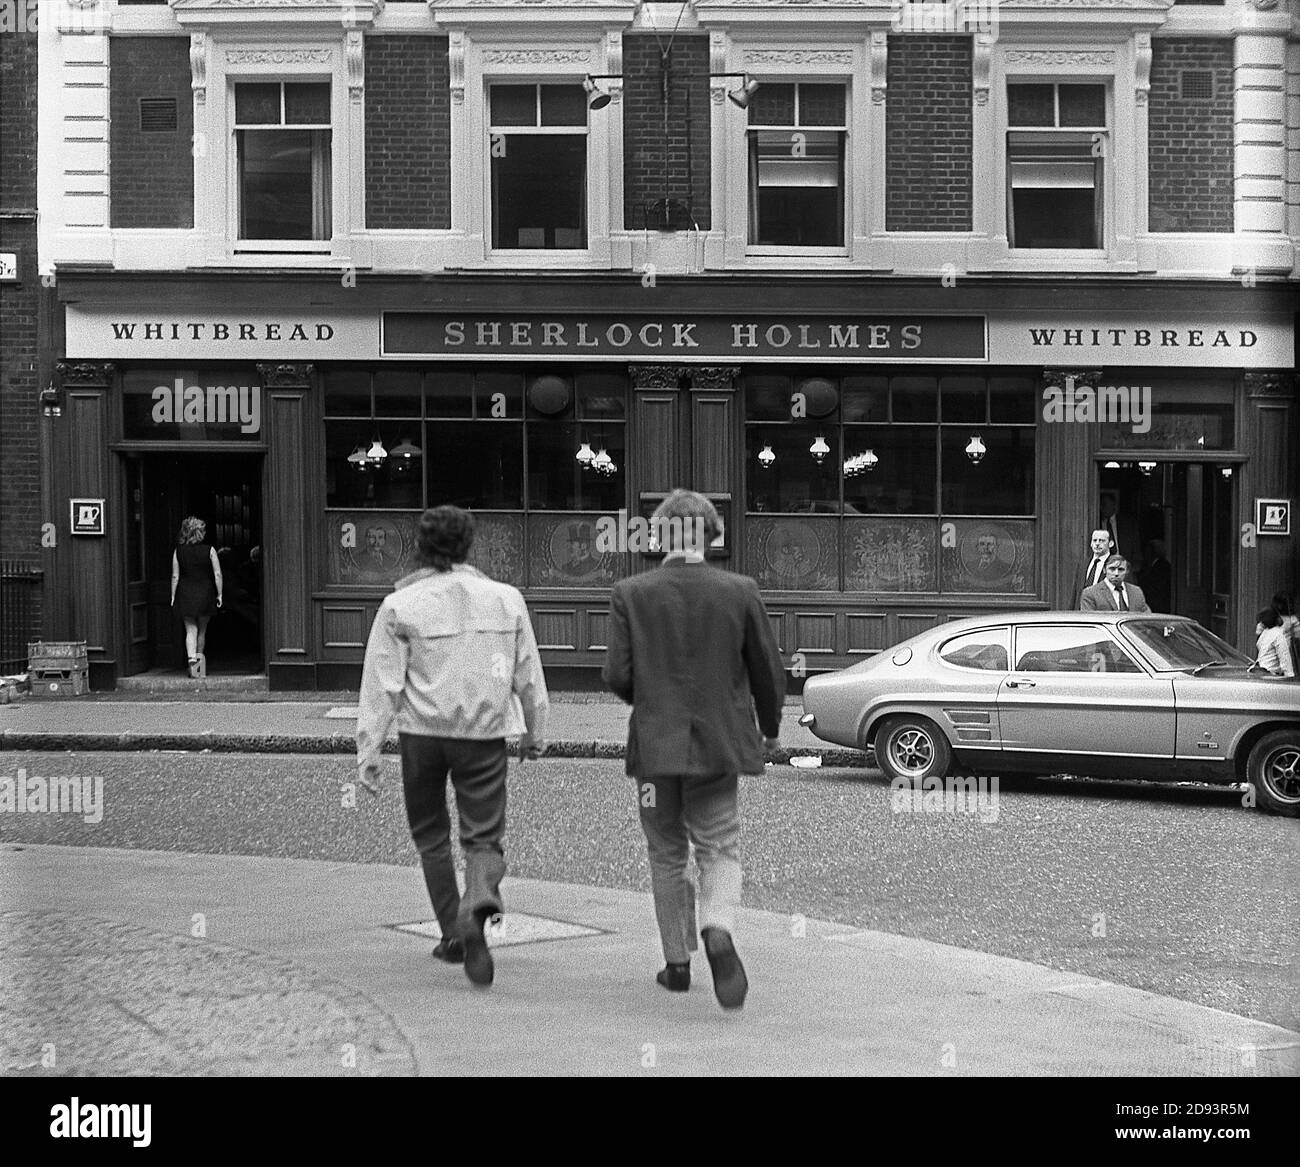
(1196, 85)
(158, 115)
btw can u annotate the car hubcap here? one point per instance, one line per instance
(913, 750)
(1281, 773)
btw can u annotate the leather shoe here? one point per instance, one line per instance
(676, 978)
(729, 980)
(478, 960)
(450, 950)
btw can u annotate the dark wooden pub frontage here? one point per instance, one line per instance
(886, 454)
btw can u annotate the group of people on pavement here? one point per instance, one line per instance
(452, 657)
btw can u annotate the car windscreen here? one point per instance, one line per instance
(1181, 644)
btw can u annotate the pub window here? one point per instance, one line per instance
(1057, 144)
(850, 481)
(537, 144)
(282, 143)
(797, 135)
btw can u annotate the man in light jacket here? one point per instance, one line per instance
(691, 649)
(452, 655)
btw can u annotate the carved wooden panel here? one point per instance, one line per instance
(891, 555)
(91, 555)
(777, 620)
(988, 555)
(866, 634)
(814, 632)
(657, 441)
(597, 629)
(556, 628)
(712, 441)
(793, 554)
(369, 547)
(285, 539)
(563, 553)
(346, 626)
(913, 624)
(498, 549)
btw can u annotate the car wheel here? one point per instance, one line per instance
(913, 748)
(1273, 768)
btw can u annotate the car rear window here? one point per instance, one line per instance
(985, 649)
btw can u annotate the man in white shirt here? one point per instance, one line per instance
(1114, 595)
(1093, 571)
(452, 656)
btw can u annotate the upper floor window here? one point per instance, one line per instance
(282, 141)
(1056, 163)
(796, 165)
(538, 147)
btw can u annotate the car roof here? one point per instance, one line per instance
(1040, 617)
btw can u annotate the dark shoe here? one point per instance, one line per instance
(729, 980)
(676, 978)
(478, 960)
(450, 950)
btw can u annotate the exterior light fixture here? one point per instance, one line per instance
(819, 449)
(743, 93)
(585, 455)
(51, 402)
(975, 449)
(1111, 466)
(1227, 473)
(766, 456)
(597, 98)
(1146, 468)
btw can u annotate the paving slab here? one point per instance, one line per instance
(161, 963)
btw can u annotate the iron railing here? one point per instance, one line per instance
(20, 593)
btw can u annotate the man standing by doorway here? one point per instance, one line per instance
(1092, 570)
(1114, 595)
(692, 651)
(452, 655)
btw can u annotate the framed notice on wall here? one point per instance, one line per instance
(1273, 516)
(87, 516)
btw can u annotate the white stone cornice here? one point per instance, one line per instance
(456, 66)
(199, 66)
(981, 60)
(520, 14)
(879, 62)
(307, 13)
(354, 52)
(1142, 67)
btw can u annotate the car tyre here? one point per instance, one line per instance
(913, 748)
(1273, 769)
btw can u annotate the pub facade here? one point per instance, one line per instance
(549, 262)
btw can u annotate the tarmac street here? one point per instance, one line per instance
(232, 913)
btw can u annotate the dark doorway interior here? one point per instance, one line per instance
(224, 490)
(1186, 510)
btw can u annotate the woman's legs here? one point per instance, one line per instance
(191, 637)
(203, 631)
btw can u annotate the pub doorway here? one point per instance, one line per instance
(1174, 523)
(224, 490)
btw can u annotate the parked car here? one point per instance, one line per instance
(1110, 695)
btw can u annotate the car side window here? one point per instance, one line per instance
(985, 649)
(1073, 648)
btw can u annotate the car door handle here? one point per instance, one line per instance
(1012, 683)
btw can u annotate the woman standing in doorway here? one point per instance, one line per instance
(196, 587)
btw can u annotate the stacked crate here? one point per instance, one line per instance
(58, 668)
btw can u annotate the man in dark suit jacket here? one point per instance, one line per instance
(1093, 569)
(692, 651)
(1114, 595)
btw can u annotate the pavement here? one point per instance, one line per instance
(163, 963)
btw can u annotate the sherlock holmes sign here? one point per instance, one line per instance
(624, 336)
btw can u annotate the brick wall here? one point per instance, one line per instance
(20, 477)
(408, 132)
(677, 166)
(151, 176)
(928, 134)
(1190, 155)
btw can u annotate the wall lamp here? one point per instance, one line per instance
(744, 92)
(51, 401)
(597, 98)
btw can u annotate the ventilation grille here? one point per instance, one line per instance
(1196, 85)
(158, 115)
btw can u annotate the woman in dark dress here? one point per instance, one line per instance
(196, 587)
